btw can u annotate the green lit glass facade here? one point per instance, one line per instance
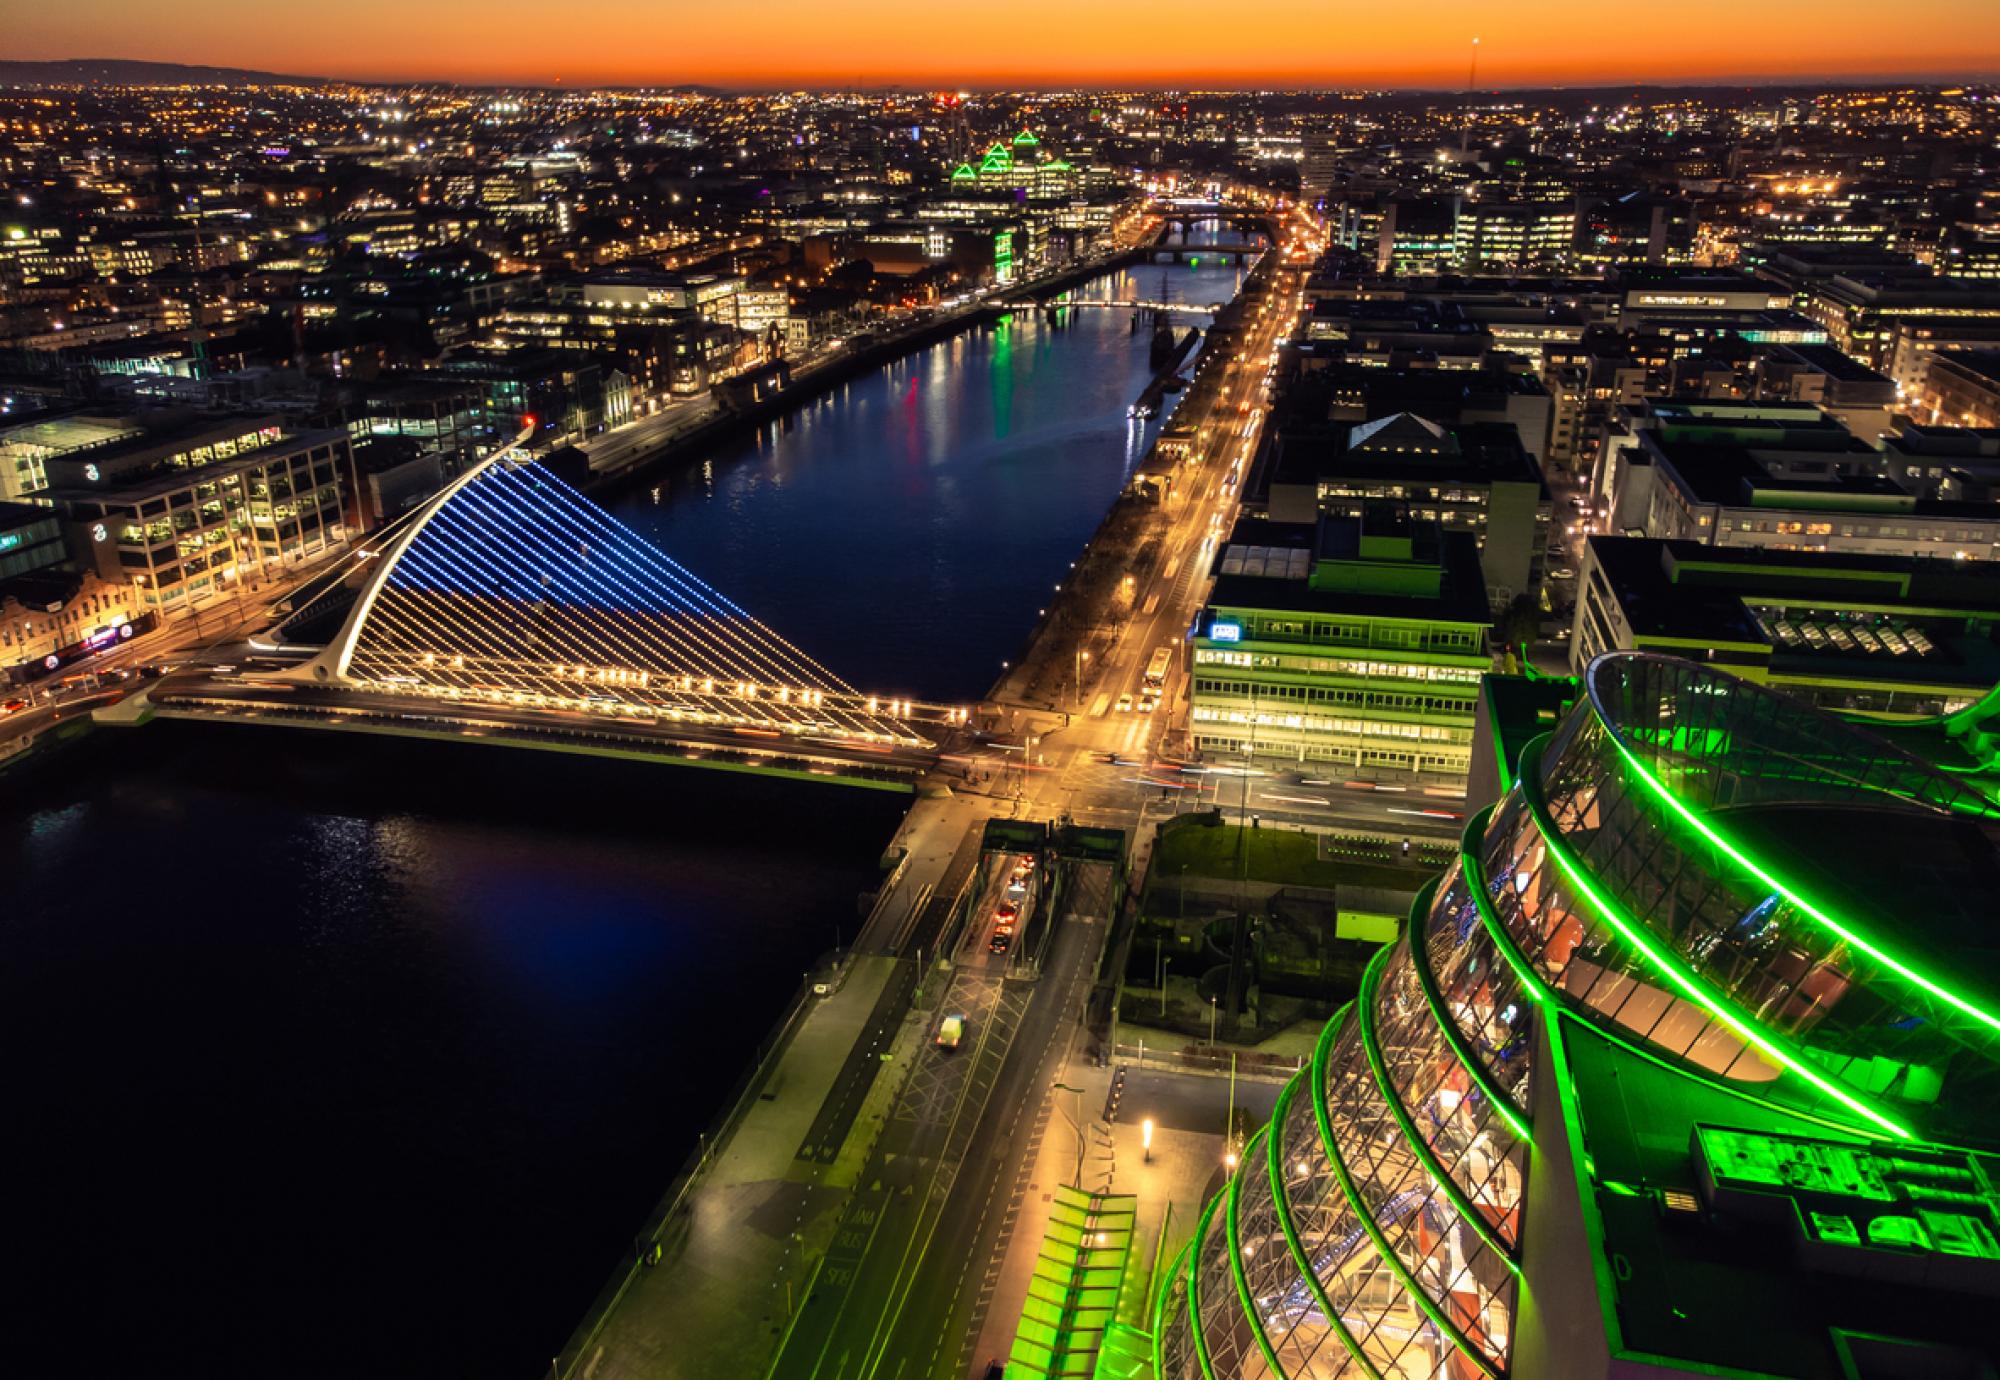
(1684, 864)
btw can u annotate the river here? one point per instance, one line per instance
(361, 1057)
(906, 527)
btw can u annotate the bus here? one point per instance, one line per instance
(1156, 669)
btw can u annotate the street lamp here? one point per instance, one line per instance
(1082, 660)
(1076, 1125)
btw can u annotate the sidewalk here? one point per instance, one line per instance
(740, 1251)
(1185, 1170)
(713, 1302)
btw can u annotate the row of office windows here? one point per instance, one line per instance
(1464, 638)
(1319, 723)
(1341, 666)
(1375, 700)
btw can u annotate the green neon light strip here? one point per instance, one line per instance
(1552, 999)
(1236, 1257)
(1669, 967)
(1166, 1289)
(1433, 1166)
(1517, 1120)
(1474, 872)
(1425, 1303)
(1194, 1287)
(1283, 1203)
(1750, 865)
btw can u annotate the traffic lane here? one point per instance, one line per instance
(471, 720)
(976, 948)
(37, 719)
(935, 1321)
(854, 1292)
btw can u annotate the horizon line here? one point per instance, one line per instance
(1245, 85)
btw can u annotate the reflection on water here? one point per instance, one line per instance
(363, 1058)
(906, 527)
(379, 1085)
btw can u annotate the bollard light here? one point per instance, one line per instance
(1146, 1138)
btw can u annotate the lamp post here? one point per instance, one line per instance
(1076, 1125)
(1082, 660)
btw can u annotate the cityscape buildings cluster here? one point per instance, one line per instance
(1608, 480)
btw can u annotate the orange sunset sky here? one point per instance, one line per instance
(1032, 42)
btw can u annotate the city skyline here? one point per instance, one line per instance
(927, 724)
(1178, 43)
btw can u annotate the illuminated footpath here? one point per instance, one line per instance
(1682, 1068)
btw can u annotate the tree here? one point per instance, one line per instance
(1520, 623)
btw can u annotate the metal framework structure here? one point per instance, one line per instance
(1664, 867)
(512, 588)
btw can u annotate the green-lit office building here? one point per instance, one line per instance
(1686, 1067)
(1352, 643)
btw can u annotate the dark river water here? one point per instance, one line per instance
(328, 1056)
(907, 527)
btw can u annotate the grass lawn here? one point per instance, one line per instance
(1284, 856)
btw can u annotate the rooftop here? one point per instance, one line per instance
(1716, 1278)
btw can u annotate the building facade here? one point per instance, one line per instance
(184, 514)
(1625, 1099)
(1358, 642)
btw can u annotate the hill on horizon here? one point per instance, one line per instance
(133, 72)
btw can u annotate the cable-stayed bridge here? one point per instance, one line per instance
(511, 602)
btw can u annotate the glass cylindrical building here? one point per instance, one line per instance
(1691, 864)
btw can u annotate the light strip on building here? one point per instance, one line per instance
(1474, 871)
(1258, 1145)
(1434, 1167)
(1194, 1286)
(1640, 938)
(1427, 1305)
(1475, 1068)
(1750, 865)
(1281, 1202)
(1179, 1267)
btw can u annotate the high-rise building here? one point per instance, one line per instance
(1682, 1069)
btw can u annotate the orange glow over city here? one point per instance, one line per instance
(1032, 42)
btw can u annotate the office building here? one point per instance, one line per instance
(1514, 237)
(1753, 485)
(1474, 477)
(191, 507)
(1962, 388)
(1903, 636)
(1683, 1068)
(1354, 642)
